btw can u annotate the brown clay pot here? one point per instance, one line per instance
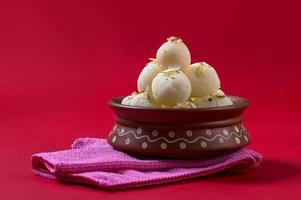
(179, 133)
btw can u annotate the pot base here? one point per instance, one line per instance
(179, 143)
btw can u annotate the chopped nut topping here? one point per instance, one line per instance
(174, 39)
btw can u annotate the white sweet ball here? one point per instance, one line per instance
(147, 75)
(186, 104)
(173, 54)
(128, 100)
(143, 99)
(217, 99)
(171, 87)
(203, 78)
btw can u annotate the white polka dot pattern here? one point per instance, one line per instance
(127, 141)
(163, 145)
(183, 139)
(171, 134)
(203, 144)
(114, 139)
(208, 132)
(246, 138)
(225, 132)
(189, 133)
(183, 145)
(155, 133)
(144, 145)
(139, 130)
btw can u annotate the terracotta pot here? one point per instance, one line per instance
(179, 133)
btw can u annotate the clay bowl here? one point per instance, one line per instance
(179, 133)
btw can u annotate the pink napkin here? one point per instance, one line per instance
(94, 162)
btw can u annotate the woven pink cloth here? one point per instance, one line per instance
(94, 162)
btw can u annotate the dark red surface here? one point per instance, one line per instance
(60, 61)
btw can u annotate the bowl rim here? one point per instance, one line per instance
(242, 103)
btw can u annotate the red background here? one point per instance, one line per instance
(60, 61)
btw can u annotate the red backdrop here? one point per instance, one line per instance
(60, 61)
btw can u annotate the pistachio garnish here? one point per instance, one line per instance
(174, 39)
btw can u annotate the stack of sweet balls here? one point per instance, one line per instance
(171, 81)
